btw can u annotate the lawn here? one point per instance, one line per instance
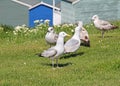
(98, 65)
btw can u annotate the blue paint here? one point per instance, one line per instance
(40, 12)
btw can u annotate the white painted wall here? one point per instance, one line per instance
(56, 17)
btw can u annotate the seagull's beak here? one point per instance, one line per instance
(68, 35)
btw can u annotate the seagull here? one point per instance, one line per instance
(73, 44)
(102, 24)
(57, 50)
(84, 37)
(51, 36)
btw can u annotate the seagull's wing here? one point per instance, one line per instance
(71, 45)
(49, 53)
(105, 25)
(102, 22)
(55, 36)
(51, 37)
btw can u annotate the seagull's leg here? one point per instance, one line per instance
(102, 33)
(53, 63)
(57, 62)
(50, 45)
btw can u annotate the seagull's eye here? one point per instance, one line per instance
(83, 30)
(51, 29)
(64, 34)
(86, 37)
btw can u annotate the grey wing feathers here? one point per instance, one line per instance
(49, 53)
(71, 42)
(105, 25)
(56, 36)
(71, 45)
(102, 22)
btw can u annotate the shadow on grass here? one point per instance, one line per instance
(60, 65)
(71, 55)
(65, 56)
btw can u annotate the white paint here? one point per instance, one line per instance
(56, 17)
(56, 11)
(22, 3)
(42, 3)
(75, 1)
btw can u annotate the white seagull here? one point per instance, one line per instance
(57, 50)
(51, 36)
(84, 36)
(85, 40)
(102, 25)
(73, 44)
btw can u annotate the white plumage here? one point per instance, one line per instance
(84, 36)
(57, 50)
(85, 40)
(73, 44)
(51, 36)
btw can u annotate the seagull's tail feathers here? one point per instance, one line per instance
(115, 27)
(41, 54)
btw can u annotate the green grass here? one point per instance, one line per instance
(98, 65)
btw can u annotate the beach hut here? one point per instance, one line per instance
(75, 10)
(12, 13)
(41, 11)
(44, 11)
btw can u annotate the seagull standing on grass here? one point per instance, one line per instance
(57, 50)
(102, 25)
(84, 37)
(51, 36)
(73, 44)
